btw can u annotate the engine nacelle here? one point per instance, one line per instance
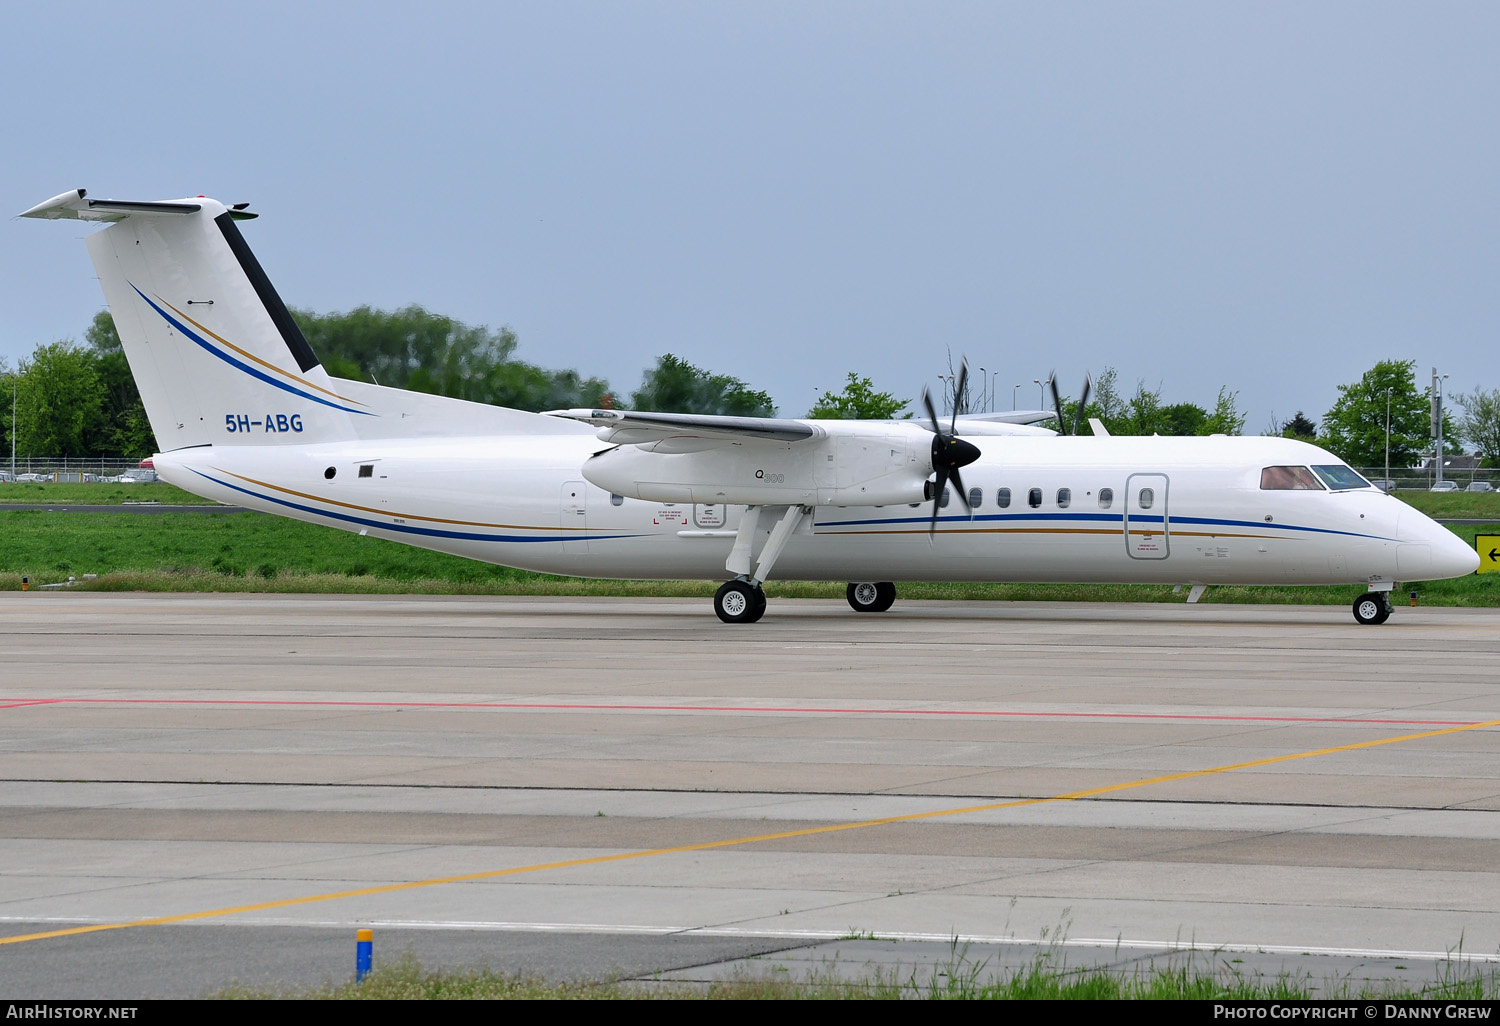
(856, 466)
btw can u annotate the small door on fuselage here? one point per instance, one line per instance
(1147, 526)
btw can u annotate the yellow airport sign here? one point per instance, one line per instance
(1488, 547)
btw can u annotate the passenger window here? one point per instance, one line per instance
(976, 498)
(1064, 498)
(1147, 498)
(1002, 497)
(1106, 498)
(1034, 498)
(616, 499)
(943, 499)
(1288, 479)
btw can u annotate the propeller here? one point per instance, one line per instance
(949, 452)
(1062, 425)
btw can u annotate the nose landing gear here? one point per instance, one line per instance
(1373, 607)
(867, 597)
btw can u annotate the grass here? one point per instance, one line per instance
(1201, 977)
(102, 494)
(1455, 505)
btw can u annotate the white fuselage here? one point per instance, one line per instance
(523, 500)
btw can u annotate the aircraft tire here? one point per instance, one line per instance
(739, 602)
(760, 605)
(870, 597)
(1372, 608)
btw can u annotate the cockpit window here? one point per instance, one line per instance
(1339, 477)
(1289, 479)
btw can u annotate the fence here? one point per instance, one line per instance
(1422, 478)
(70, 468)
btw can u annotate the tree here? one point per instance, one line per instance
(1299, 427)
(426, 352)
(60, 402)
(124, 429)
(1183, 419)
(1226, 418)
(858, 401)
(676, 386)
(8, 380)
(1481, 423)
(1355, 427)
(1144, 413)
(1107, 404)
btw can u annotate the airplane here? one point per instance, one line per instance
(244, 413)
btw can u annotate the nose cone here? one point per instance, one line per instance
(1447, 555)
(1454, 558)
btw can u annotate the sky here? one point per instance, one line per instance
(1265, 196)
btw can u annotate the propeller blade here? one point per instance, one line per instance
(931, 413)
(937, 497)
(1062, 425)
(958, 392)
(1088, 384)
(963, 493)
(949, 452)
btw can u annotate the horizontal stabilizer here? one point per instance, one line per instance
(75, 205)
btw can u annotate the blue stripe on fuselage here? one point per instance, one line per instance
(1112, 519)
(427, 532)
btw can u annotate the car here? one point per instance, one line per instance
(1385, 484)
(1480, 486)
(1444, 486)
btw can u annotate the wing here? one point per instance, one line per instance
(677, 457)
(685, 432)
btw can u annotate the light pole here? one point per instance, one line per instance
(1386, 485)
(982, 382)
(1039, 398)
(1437, 424)
(1013, 398)
(994, 383)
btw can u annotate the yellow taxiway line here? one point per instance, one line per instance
(596, 860)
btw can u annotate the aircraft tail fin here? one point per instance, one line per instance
(216, 355)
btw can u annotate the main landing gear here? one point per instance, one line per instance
(1373, 607)
(739, 601)
(865, 597)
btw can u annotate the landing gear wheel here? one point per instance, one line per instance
(739, 602)
(867, 597)
(1373, 607)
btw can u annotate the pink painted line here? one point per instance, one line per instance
(818, 710)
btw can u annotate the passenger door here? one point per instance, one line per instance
(1147, 526)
